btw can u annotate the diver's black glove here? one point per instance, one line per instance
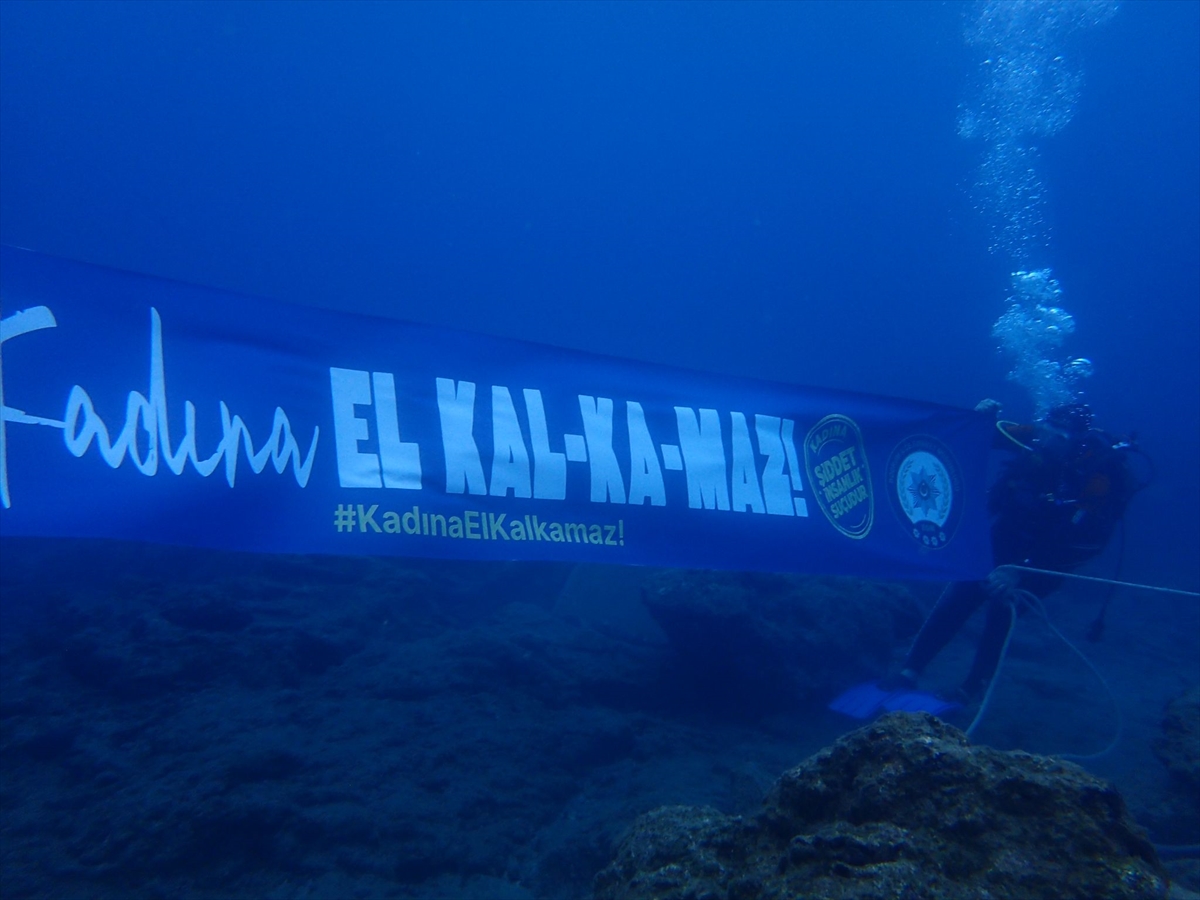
(1001, 584)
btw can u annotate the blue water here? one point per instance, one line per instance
(773, 190)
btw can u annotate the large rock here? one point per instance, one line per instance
(905, 807)
(758, 643)
(1179, 746)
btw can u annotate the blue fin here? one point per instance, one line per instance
(862, 701)
(866, 700)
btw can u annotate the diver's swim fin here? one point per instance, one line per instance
(866, 700)
(862, 701)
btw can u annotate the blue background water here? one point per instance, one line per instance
(775, 190)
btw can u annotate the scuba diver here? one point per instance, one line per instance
(1056, 504)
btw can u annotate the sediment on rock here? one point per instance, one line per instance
(904, 807)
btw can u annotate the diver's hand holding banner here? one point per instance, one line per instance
(144, 409)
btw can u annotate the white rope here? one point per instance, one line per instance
(1034, 602)
(987, 697)
(1128, 584)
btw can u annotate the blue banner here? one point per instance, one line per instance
(145, 409)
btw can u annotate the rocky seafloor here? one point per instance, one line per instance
(192, 724)
(905, 807)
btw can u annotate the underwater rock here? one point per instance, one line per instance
(757, 643)
(209, 615)
(904, 807)
(1179, 746)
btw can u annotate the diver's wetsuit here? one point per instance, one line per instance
(1056, 505)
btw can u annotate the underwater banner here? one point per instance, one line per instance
(145, 409)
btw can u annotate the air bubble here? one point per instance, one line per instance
(1025, 89)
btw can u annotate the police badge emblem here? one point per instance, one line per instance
(925, 485)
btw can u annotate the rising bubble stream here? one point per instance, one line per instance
(1026, 89)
